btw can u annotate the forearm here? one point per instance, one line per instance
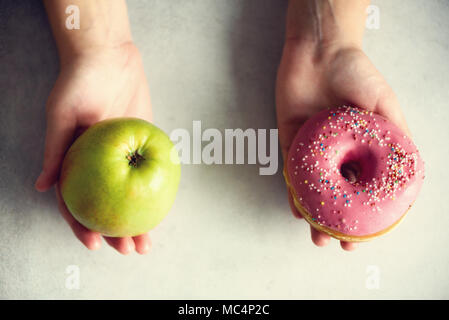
(325, 22)
(103, 23)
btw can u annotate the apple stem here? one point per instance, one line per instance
(134, 159)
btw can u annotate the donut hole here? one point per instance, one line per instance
(350, 170)
(358, 166)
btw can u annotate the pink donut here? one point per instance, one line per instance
(352, 173)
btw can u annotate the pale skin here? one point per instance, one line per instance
(323, 65)
(101, 76)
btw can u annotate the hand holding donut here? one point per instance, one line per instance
(323, 66)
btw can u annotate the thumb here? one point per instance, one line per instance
(287, 133)
(60, 130)
(388, 106)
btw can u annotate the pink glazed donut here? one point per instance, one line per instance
(352, 173)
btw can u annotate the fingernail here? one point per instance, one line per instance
(38, 182)
(144, 248)
(95, 244)
(128, 247)
(131, 245)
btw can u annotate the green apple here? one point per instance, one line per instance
(120, 177)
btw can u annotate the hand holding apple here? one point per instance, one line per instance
(93, 86)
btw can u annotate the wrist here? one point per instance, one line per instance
(102, 24)
(301, 49)
(97, 51)
(326, 24)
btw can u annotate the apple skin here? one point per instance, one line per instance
(120, 177)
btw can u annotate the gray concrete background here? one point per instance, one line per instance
(230, 233)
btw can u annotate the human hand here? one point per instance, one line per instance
(312, 78)
(96, 84)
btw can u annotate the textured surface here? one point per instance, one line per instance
(230, 233)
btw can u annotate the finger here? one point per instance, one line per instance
(142, 243)
(140, 106)
(60, 129)
(91, 239)
(348, 246)
(320, 239)
(287, 133)
(292, 206)
(123, 245)
(388, 106)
